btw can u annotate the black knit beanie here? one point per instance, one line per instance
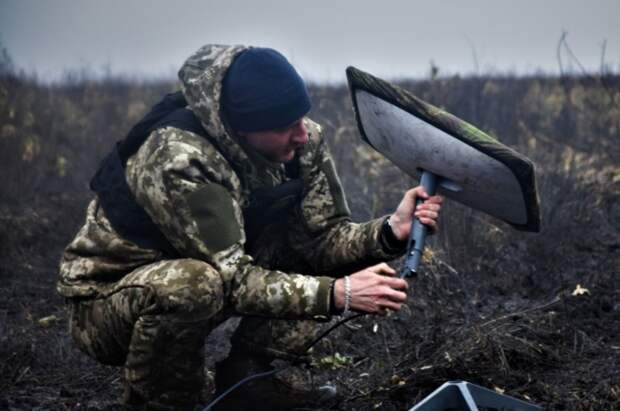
(262, 91)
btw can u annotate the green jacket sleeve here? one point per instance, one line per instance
(327, 238)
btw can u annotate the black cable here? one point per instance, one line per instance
(243, 381)
(277, 370)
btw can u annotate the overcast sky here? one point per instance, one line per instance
(321, 37)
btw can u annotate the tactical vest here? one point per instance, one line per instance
(132, 222)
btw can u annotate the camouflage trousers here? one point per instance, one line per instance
(155, 321)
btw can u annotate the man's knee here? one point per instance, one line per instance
(184, 286)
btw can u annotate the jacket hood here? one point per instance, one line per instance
(201, 82)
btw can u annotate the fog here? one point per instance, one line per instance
(321, 38)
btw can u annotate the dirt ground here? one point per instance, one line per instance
(558, 347)
(535, 316)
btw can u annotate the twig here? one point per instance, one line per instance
(540, 307)
(360, 362)
(601, 76)
(573, 56)
(387, 350)
(474, 55)
(559, 53)
(21, 375)
(603, 50)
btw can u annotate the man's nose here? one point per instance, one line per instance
(300, 134)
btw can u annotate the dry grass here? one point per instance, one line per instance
(492, 306)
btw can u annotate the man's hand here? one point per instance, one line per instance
(427, 212)
(373, 290)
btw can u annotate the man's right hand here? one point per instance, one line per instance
(374, 290)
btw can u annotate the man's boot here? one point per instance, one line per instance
(286, 390)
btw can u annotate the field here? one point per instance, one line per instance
(536, 316)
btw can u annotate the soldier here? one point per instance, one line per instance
(224, 201)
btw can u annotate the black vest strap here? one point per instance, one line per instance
(268, 206)
(170, 111)
(127, 217)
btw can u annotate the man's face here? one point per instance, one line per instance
(278, 145)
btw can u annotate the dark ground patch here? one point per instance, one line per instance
(491, 306)
(557, 349)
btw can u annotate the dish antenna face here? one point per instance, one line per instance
(448, 154)
(466, 174)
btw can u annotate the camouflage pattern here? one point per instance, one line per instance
(172, 164)
(156, 318)
(126, 296)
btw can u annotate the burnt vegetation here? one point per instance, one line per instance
(536, 316)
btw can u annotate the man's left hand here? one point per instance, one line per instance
(428, 212)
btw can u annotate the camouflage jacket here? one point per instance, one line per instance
(195, 190)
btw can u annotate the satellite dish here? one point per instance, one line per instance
(448, 154)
